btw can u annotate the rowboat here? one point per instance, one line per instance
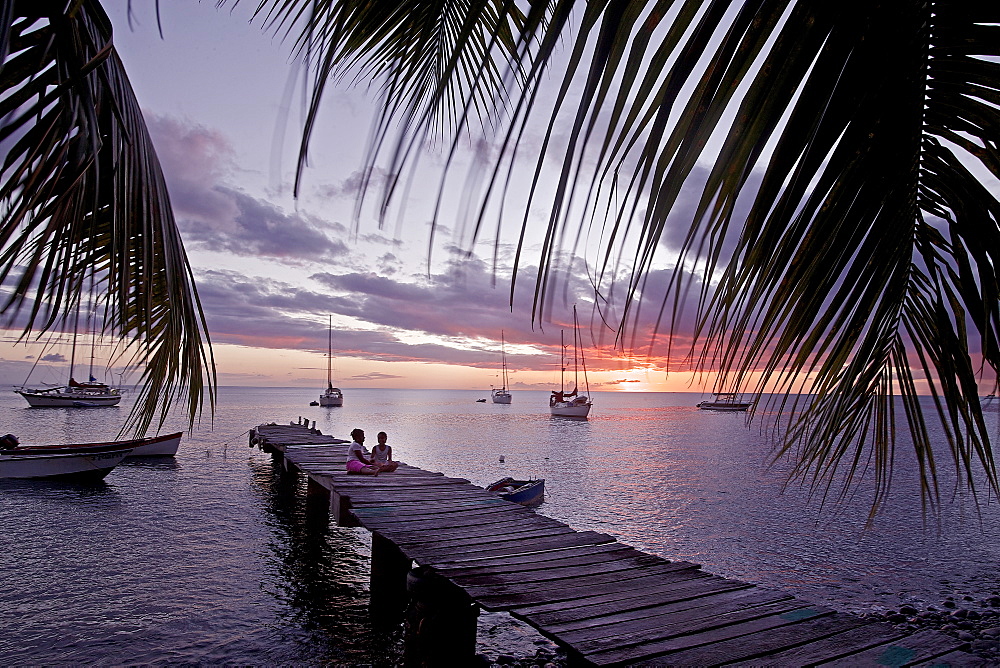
(81, 462)
(156, 446)
(525, 492)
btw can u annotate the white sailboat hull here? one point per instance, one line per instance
(69, 399)
(570, 409)
(332, 397)
(501, 397)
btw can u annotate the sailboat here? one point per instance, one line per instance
(91, 394)
(332, 396)
(502, 395)
(571, 404)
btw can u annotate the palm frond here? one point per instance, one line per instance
(844, 245)
(85, 205)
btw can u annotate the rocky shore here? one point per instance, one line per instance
(973, 621)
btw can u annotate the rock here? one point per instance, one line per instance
(961, 613)
(505, 659)
(908, 610)
(992, 632)
(896, 618)
(948, 603)
(966, 636)
(994, 601)
(973, 615)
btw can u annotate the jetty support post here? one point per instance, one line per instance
(388, 581)
(440, 624)
(340, 510)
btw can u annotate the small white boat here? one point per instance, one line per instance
(525, 492)
(332, 396)
(725, 401)
(502, 395)
(85, 462)
(72, 395)
(571, 404)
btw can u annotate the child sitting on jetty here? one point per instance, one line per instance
(357, 457)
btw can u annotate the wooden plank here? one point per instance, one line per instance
(921, 646)
(846, 642)
(372, 492)
(685, 595)
(697, 633)
(426, 502)
(531, 558)
(404, 513)
(434, 528)
(957, 659)
(475, 542)
(425, 486)
(558, 573)
(622, 552)
(760, 646)
(507, 596)
(426, 555)
(646, 624)
(476, 545)
(699, 585)
(416, 530)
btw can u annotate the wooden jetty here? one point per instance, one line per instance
(606, 603)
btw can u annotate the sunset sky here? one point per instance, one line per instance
(223, 105)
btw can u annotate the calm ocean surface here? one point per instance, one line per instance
(207, 559)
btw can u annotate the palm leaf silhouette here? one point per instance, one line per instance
(846, 240)
(85, 206)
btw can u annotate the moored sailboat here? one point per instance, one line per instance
(502, 395)
(332, 396)
(91, 394)
(571, 404)
(726, 402)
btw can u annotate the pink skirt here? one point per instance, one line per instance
(354, 466)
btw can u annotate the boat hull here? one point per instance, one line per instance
(331, 398)
(725, 407)
(157, 446)
(85, 466)
(69, 399)
(501, 397)
(524, 492)
(569, 409)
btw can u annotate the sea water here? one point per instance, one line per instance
(215, 557)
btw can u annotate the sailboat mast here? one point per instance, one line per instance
(72, 354)
(503, 357)
(329, 353)
(576, 348)
(562, 360)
